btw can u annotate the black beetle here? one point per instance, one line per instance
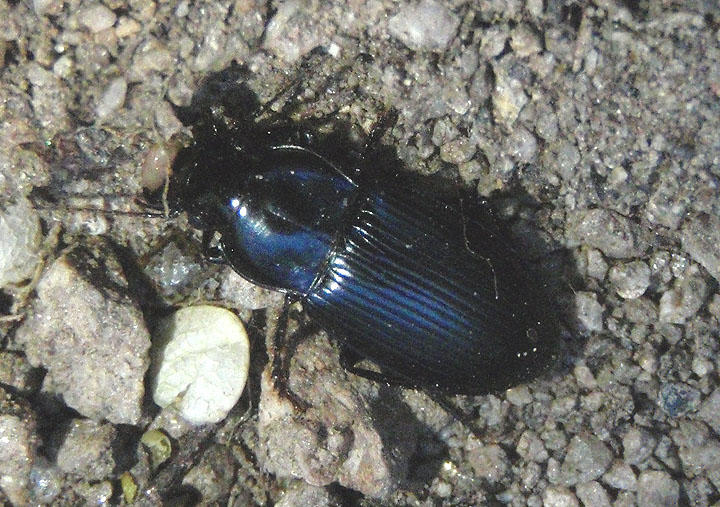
(427, 289)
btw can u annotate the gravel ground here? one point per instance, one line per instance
(593, 130)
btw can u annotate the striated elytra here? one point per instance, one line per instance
(427, 289)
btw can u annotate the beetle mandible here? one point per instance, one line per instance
(430, 291)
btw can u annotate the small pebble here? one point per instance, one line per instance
(291, 33)
(47, 7)
(202, 362)
(631, 279)
(683, 300)
(621, 476)
(87, 450)
(611, 233)
(21, 240)
(698, 449)
(112, 99)
(508, 97)
(710, 410)
(519, 395)
(97, 18)
(427, 25)
(587, 459)
(596, 266)
(700, 238)
(592, 493)
(524, 41)
(565, 158)
(531, 448)
(493, 41)
(490, 462)
(95, 494)
(559, 496)
(589, 311)
(657, 488)
(45, 481)
(584, 376)
(638, 445)
(17, 453)
(457, 151)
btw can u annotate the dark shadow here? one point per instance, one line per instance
(401, 431)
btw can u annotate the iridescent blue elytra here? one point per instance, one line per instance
(430, 292)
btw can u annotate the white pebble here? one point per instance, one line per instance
(427, 25)
(631, 279)
(97, 18)
(113, 98)
(202, 364)
(21, 238)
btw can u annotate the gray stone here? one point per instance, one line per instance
(621, 476)
(45, 481)
(457, 151)
(700, 238)
(657, 489)
(17, 453)
(698, 450)
(86, 450)
(525, 41)
(92, 340)
(683, 300)
(596, 266)
(519, 395)
(710, 410)
(638, 445)
(587, 459)
(292, 32)
(112, 99)
(559, 496)
(589, 311)
(508, 97)
(493, 41)
(592, 493)
(21, 240)
(522, 145)
(611, 233)
(17, 372)
(630, 279)
(214, 475)
(666, 206)
(335, 440)
(641, 310)
(488, 461)
(427, 25)
(245, 294)
(531, 448)
(565, 157)
(97, 493)
(301, 494)
(678, 399)
(97, 17)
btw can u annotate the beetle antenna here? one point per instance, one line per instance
(142, 214)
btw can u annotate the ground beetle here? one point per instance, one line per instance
(426, 288)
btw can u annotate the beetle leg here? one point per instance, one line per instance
(349, 360)
(212, 253)
(456, 412)
(385, 122)
(283, 348)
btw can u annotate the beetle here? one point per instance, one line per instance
(427, 288)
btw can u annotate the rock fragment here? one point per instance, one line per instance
(89, 335)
